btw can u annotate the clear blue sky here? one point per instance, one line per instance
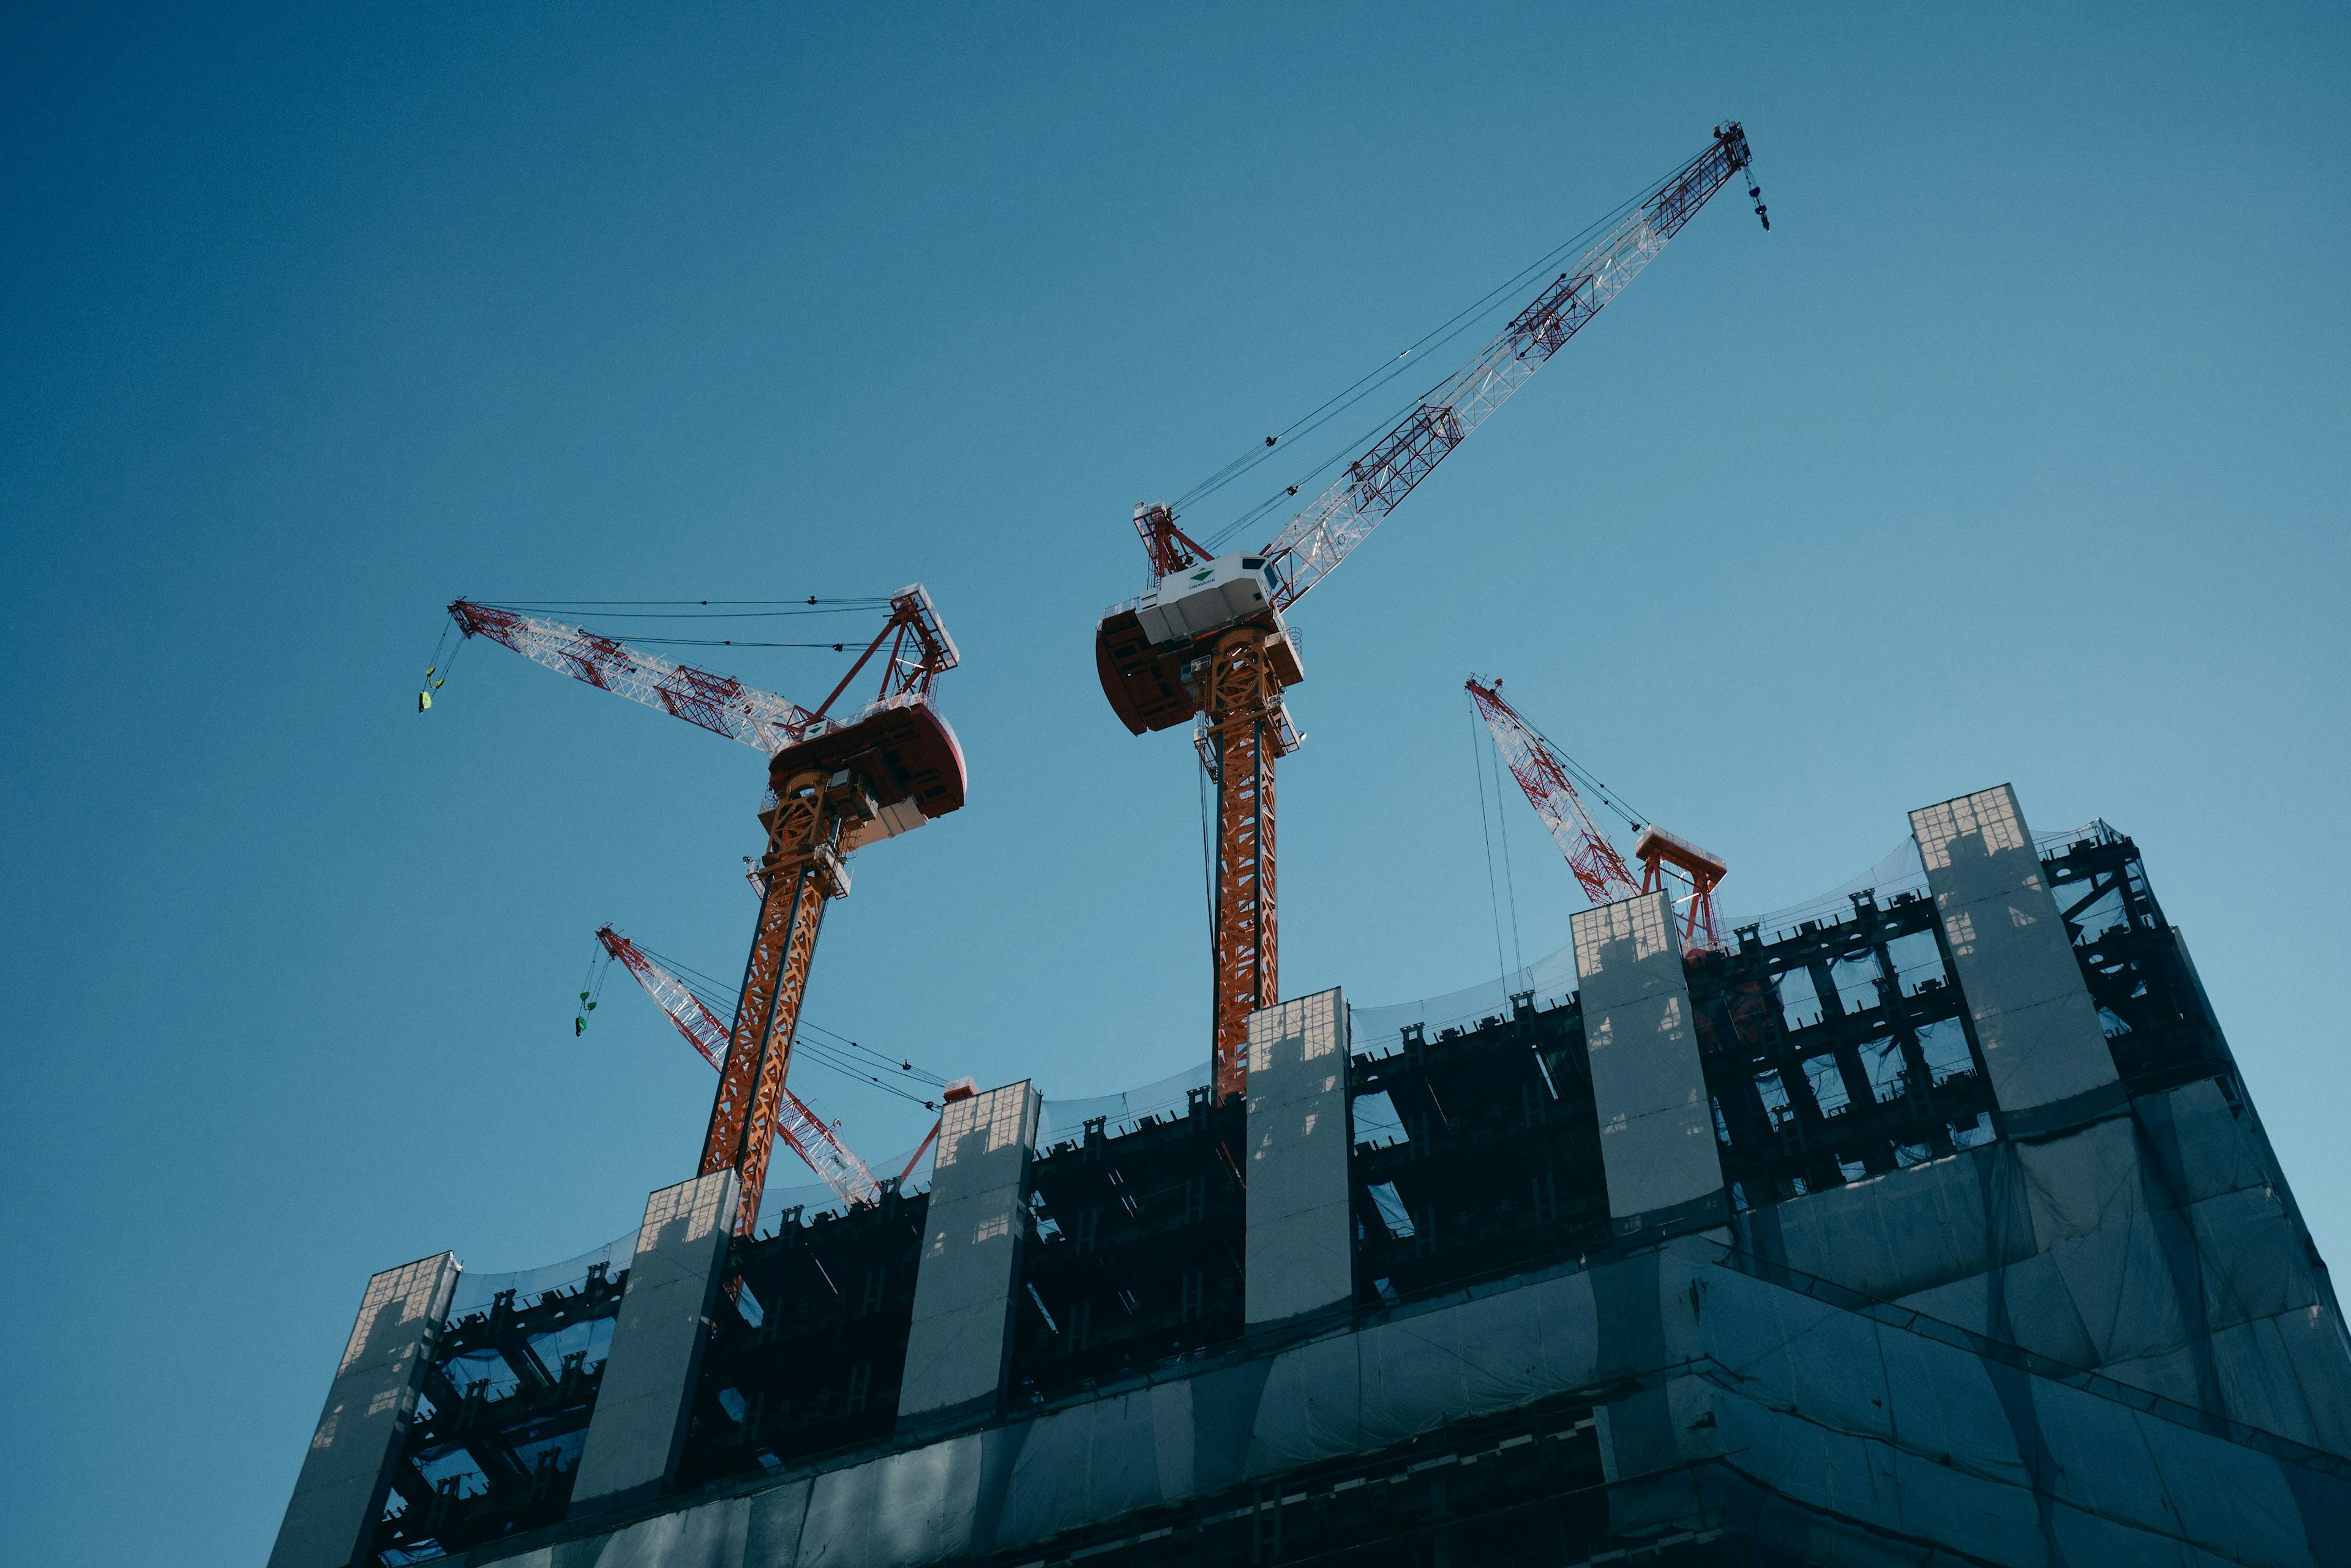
(2015, 451)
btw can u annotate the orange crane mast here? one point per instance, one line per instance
(834, 786)
(1209, 644)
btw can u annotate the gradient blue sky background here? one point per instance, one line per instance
(2015, 451)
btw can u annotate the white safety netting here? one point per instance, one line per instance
(475, 1291)
(1552, 978)
(1064, 1121)
(812, 1198)
(1374, 1029)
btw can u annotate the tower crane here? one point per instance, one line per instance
(1544, 775)
(798, 1126)
(1208, 642)
(835, 784)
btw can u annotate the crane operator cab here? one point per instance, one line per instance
(1210, 597)
(1142, 648)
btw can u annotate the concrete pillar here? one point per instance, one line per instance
(961, 1338)
(2033, 1017)
(330, 1521)
(1301, 1251)
(643, 1406)
(1648, 1092)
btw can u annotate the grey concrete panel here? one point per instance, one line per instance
(2253, 1264)
(916, 1506)
(2285, 1374)
(2314, 1341)
(2032, 1308)
(642, 1408)
(2122, 1289)
(1225, 1407)
(2080, 1182)
(2217, 1153)
(1889, 1236)
(2032, 1015)
(2258, 1379)
(2122, 1486)
(1657, 1124)
(1100, 1459)
(772, 1538)
(1173, 1429)
(1861, 1431)
(338, 1498)
(1000, 1449)
(2174, 1374)
(962, 1331)
(1301, 1231)
(710, 1536)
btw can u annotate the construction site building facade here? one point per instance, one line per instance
(1936, 1230)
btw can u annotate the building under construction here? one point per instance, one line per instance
(1935, 1227)
(1929, 1226)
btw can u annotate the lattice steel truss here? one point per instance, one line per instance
(1313, 544)
(803, 1129)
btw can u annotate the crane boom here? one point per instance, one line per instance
(719, 704)
(798, 1126)
(920, 651)
(1599, 870)
(1313, 543)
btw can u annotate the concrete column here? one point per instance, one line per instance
(1657, 1124)
(2033, 1017)
(330, 1521)
(961, 1338)
(1301, 1253)
(643, 1406)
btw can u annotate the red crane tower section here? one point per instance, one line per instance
(834, 785)
(1207, 643)
(1600, 871)
(1656, 849)
(798, 1126)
